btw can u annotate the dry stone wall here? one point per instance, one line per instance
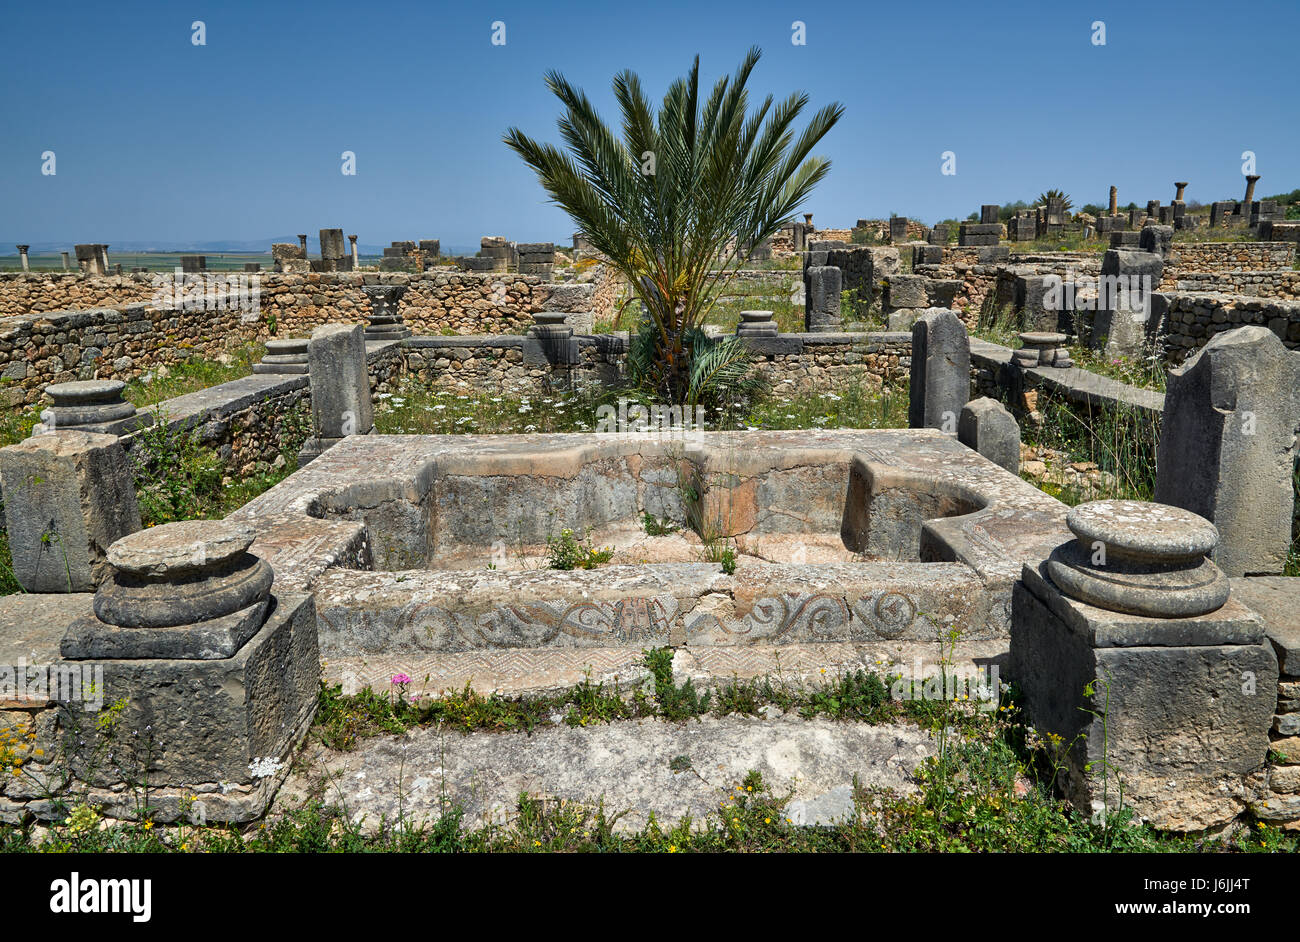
(1192, 319)
(1226, 257)
(1280, 283)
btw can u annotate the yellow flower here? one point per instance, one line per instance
(148, 825)
(672, 849)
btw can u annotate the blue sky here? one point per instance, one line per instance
(158, 139)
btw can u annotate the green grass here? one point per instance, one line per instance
(988, 788)
(846, 405)
(1122, 443)
(416, 409)
(1143, 371)
(193, 374)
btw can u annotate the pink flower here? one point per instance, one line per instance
(400, 679)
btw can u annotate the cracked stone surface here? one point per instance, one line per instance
(627, 764)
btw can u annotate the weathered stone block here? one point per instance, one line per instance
(1228, 446)
(822, 288)
(68, 496)
(340, 383)
(988, 428)
(1171, 726)
(940, 371)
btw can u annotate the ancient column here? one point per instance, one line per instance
(93, 405)
(1114, 201)
(216, 672)
(288, 355)
(340, 387)
(67, 262)
(1112, 652)
(1228, 445)
(22, 256)
(1251, 180)
(1178, 196)
(756, 324)
(940, 371)
(356, 262)
(822, 286)
(302, 243)
(385, 321)
(102, 248)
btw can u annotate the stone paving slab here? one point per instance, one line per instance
(1277, 600)
(32, 625)
(625, 764)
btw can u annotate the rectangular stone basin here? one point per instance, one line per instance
(421, 549)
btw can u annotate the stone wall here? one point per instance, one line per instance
(1192, 319)
(435, 302)
(56, 345)
(1279, 283)
(1225, 257)
(802, 364)
(794, 363)
(253, 421)
(106, 343)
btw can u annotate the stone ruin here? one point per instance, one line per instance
(372, 555)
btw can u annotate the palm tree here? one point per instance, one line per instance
(679, 191)
(1066, 203)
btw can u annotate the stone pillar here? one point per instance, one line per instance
(102, 249)
(940, 373)
(897, 229)
(1114, 201)
(536, 258)
(356, 259)
(93, 405)
(822, 286)
(332, 253)
(1228, 445)
(22, 256)
(219, 675)
(1251, 180)
(302, 243)
(68, 496)
(1179, 187)
(1128, 647)
(385, 321)
(988, 428)
(340, 387)
(66, 262)
(989, 214)
(87, 258)
(284, 356)
(756, 324)
(1128, 281)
